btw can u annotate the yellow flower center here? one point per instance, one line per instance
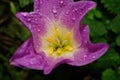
(58, 41)
(59, 44)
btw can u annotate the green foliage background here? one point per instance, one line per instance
(104, 22)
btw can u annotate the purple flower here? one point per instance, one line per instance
(57, 36)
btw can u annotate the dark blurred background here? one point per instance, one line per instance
(104, 22)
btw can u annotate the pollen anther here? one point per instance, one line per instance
(51, 40)
(51, 49)
(59, 50)
(68, 35)
(69, 48)
(57, 32)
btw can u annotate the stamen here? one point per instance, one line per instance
(68, 35)
(51, 49)
(51, 40)
(69, 48)
(59, 50)
(57, 32)
(64, 42)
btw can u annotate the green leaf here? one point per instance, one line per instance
(111, 55)
(118, 40)
(6, 78)
(13, 8)
(115, 24)
(94, 13)
(109, 74)
(98, 39)
(24, 3)
(98, 14)
(111, 58)
(97, 27)
(112, 5)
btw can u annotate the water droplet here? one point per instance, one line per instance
(29, 19)
(85, 56)
(32, 61)
(24, 14)
(38, 30)
(41, 2)
(73, 18)
(37, 10)
(73, 10)
(36, 19)
(84, 30)
(54, 10)
(31, 13)
(93, 56)
(61, 2)
(76, 9)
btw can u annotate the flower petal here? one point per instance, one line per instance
(74, 12)
(85, 56)
(51, 8)
(84, 33)
(26, 56)
(33, 21)
(52, 63)
(88, 52)
(36, 23)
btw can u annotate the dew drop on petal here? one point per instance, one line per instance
(73, 10)
(93, 56)
(76, 9)
(36, 19)
(85, 56)
(24, 14)
(31, 14)
(73, 18)
(54, 10)
(38, 30)
(41, 2)
(29, 19)
(61, 2)
(84, 30)
(32, 61)
(37, 10)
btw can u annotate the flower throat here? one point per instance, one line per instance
(59, 44)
